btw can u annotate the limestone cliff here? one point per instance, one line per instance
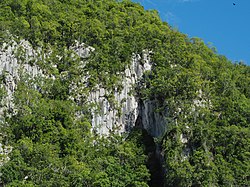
(119, 114)
(126, 108)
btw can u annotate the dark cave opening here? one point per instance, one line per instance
(154, 163)
(155, 158)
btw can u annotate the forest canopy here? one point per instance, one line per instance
(207, 97)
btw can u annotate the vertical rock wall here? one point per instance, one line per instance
(128, 107)
(119, 114)
(15, 60)
(152, 120)
(122, 113)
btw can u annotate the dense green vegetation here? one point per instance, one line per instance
(52, 148)
(207, 96)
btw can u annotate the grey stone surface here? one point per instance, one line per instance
(121, 113)
(123, 116)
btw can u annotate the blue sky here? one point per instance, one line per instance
(225, 25)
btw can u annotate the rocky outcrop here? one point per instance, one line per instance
(152, 120)
(126, 108)
(118, 112)
(16, 59)
(121, 113)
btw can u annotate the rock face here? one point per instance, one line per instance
(128, 107)
(154, 122)
(16, 59)
(123, 112)
(118, 109)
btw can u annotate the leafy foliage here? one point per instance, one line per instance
(52, 148)
(208, 100)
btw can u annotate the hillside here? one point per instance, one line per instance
(101, 93)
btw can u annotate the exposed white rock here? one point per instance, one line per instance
(82, 50)
(119, 112)
(154, 122)
(15, 60)
(183, 138)
(19, 58)
(4, 151)
(126, 108)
